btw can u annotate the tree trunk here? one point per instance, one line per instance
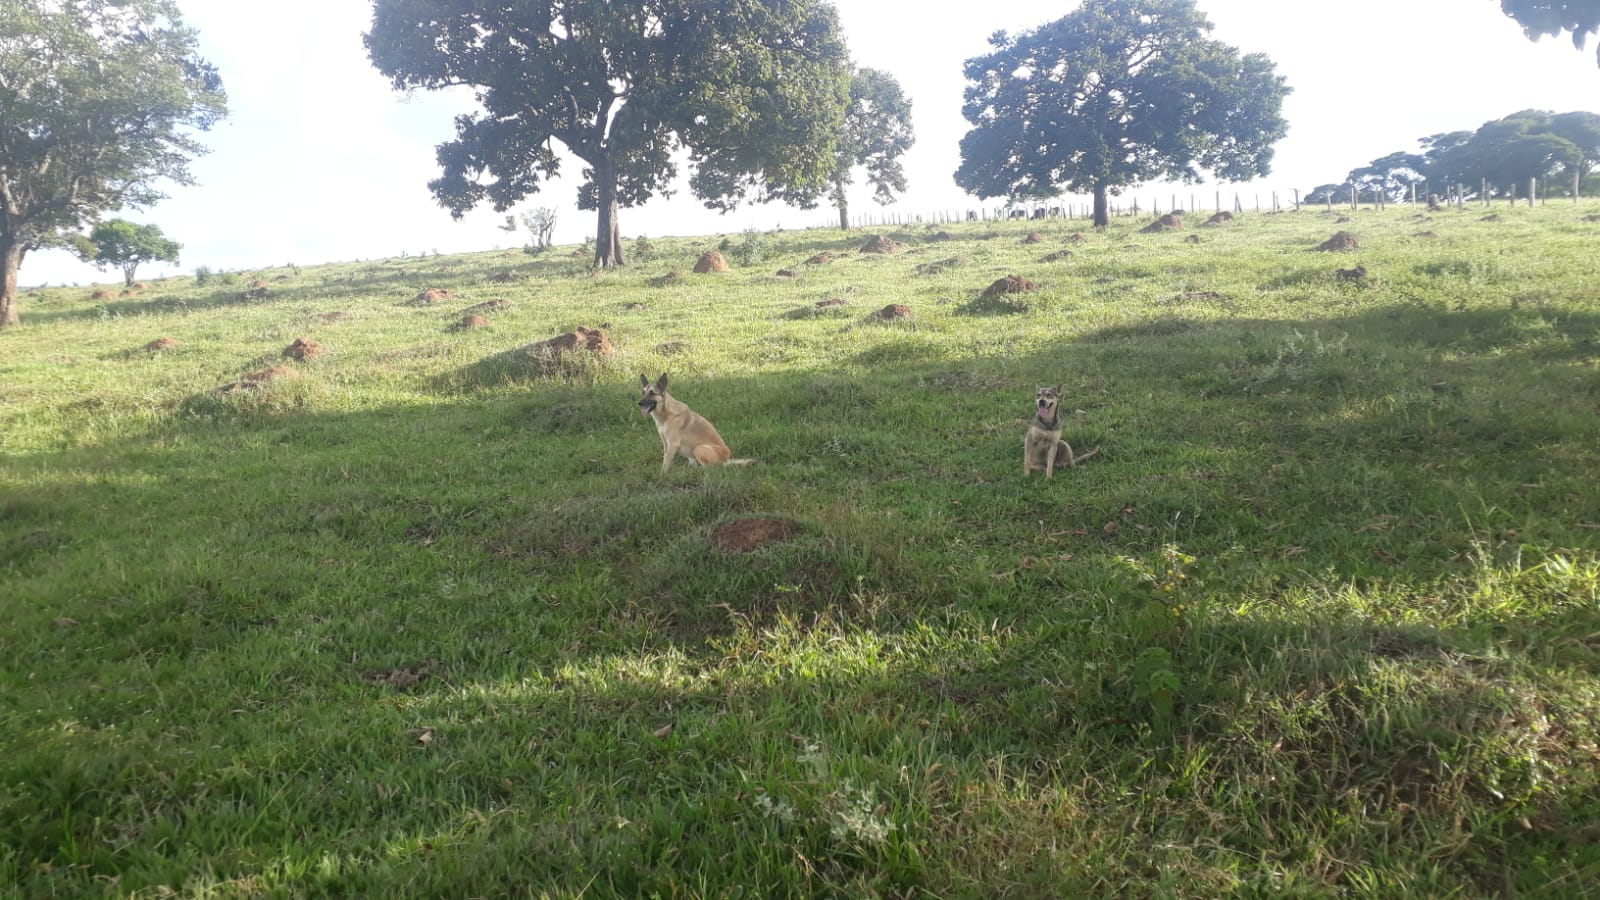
(1102, 214)
(127, 274)
(10, 265)
(842, 205)
(607, 238)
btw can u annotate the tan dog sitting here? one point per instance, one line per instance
(1043, 446)
(683, 431)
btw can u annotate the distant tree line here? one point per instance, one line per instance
(1559, 150)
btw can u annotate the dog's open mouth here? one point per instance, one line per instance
(646, 407)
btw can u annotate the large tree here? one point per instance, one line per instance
(1392, 175)
(1507, 152)
(99, 100)
(877, 131)
(753, 90)
(126, 245)
(1117, 93)
(1540, 18)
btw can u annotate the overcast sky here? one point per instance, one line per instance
(321, 161)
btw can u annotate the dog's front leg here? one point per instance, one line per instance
(668, 452)
(1050, 459)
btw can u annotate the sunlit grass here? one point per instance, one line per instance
(1320, 620)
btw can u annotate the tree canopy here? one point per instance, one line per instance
(1117, 93)
(753, 90)
(877, 131)
(1541, 18)
(99, 100)
(127, 245)
(1502, 154)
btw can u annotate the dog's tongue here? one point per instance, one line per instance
(644, 412)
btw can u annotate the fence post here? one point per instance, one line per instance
(1531, 192)
(1296, 199)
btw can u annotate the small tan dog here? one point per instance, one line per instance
(1043, 444)
(683, 431)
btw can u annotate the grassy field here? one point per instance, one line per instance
(1322, 619)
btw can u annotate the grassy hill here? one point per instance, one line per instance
(1322, 619)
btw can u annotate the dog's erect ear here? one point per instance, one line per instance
(644, 380)
(1058, 390)
(661, 383)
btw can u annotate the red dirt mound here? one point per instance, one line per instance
(819, 259)
(1011, 284)
(744, 535)
(1342, 240)
(1033, 237)
(254, 380)
(591, 339)
(894, 311)
(470, 322)
(1592, 218)
(710, 261)
(1356, 274)
(786, 273)
(1058, 256)
(303, 349)
(162, 343)
(1168, 222)
(880, 244)
(432, 295)
(1219, 218)
(101, 295)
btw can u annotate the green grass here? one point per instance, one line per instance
(1323, 619)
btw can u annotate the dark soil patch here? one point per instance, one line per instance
(1341, 220)
(820, 259)
(636, 307)
(710, 261)
(671, 348)
(1492, 217)
(402, 677)
(667, 279)
(894, 311)
(745, 535)
(943, 265)
(786, 273)
(161, 343)
(1033, 237)
(1341, 241)
(1220, 218)
(1356, 274)
(335, 316)
(1058, 256)
(1592, 218)
(1077, 237)
(1192, 239)
(831, 301)
(260, 293)
(1427, 234)
(489, 306)
(943, 236)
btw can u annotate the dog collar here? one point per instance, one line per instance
(1051, 425)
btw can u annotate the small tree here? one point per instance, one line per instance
(97, 98)
(126, 245)
(541, 225)
(1117, 93)
(877, 131)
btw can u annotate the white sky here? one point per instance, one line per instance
(321, 161)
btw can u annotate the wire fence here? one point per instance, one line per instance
(1350, 197)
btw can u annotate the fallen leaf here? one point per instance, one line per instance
(65, 622)
(423, 736)
(1110, 528)
(1294, 551)
(664, 730)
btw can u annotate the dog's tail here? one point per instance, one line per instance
(740, 462)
